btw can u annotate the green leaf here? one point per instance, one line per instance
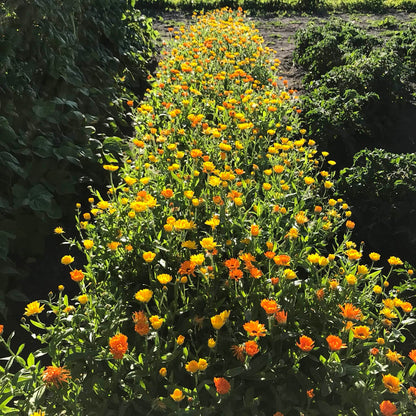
(9, 161)
(39, 198)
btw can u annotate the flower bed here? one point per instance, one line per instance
(220, 274)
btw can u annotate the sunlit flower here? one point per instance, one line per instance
(391, 383)
(349, 311)
(388, 408)
(76, 275)
(55, 376)
(281, 317)
(141, 323)
(189, 244)
(177, 395)
(412, 355)
(222, 385)
(144, 295)
(65, 260)
(305, 343)
(118, 346)
(212, 343)
(251, 348)
(148, 256)
(192, 366)
(34, 308)
(282, 260)
(270, 306)
(255, 329)
(361, 332)
(394, 357)
(334, 343)
(394, 261)
(164, 278)
(163, 371)
(180, 339)
(187, 268)
(156, 321)
(83, 299)
(208, 243)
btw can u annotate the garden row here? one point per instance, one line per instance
(219, 269)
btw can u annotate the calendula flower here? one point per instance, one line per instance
(77, 275)
(141, 323)
(191, 245)
(391, 383)
(217, 322)
(83, 299)
(156, 321)
(192, 366)
(310, 393)
(394, 261)
(394, 357)
(212, 343)
(208, 243)
(282, 260)
(34, 308)
(281, 317)
(255, 329)
(361, 332)
(1, 329)
(222, 385)
(118, 346)
(349, 311)
(55, 376)
(251, 348)
(412, 355)
(177, 395)
(202, 364)
(180, 339)
(164, 278)
(270, 306)
(387, 408)
(334, 343)
(144, 295)
(58, 230)
(305, 343)
(148, 256)
(187, 268)
(65, 260)
(198, 259)
(110, 168)
(163, 371)
(38, 413)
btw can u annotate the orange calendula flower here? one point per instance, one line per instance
(55, 376)
(391, 383)
(34, 308)
(334, 343)
(187, 268)
(305, 343)
(411, 391)
(148, 256)
(141, 323)
(255, 329)
(177, 395)
(387, 408)
(349, 311)
(235, 274)
(118, 346)
(270, 306)
(76, 275)
(180, 339)
(412, 355)
(251, 348)
(167, 193)
(282, 260)
(361, 332)
(281, 317)
(222, 385)
(310, 393)
(254, 230)
(232, 263)
(192, 366)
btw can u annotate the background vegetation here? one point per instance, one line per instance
(67, 71)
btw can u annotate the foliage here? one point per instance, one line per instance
(67, 70)
(213, 279)
(382, 186)
(351, 97)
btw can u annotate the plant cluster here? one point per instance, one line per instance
(355, 82)
(382, 184)
(67, 72)
(220, 272)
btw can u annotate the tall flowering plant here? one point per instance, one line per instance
(219, 271)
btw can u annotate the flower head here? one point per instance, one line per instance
(391, 383)
(118, 346)
(251, 348)
(387, 408)
(270, 306)
(255, 329)
(65, 260)
(144, 295)
(177, 395)
(361, 332)
(34, 308)
(76, 275)
(305, 343)
(222, 385)
(55, 376)
(334, 343)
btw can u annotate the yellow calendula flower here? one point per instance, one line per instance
(88, 244)
(208, 243)
(110, 168)
(192, 366)
(156, 321)
(38, 413)
(212, 343)
(217, 322)
(148, 256)
(34, 308)
(58, 230)
(202, 364)
(164, 278)
(83, 299)
(65, 260)
(144, 295)
(198, 259)
(177, 395)
(191, 245)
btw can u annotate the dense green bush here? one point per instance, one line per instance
(382, 187)
(67, 70)
(354, 97)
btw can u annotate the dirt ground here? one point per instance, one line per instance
(279, 32)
